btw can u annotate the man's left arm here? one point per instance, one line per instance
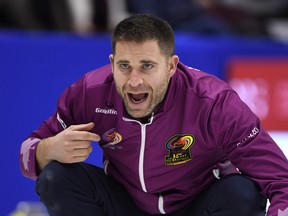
(250, 148)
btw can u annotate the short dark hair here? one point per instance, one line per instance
(142, 27)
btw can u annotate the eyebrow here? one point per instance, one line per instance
(148, 61)
(122, 62)
(142, 61)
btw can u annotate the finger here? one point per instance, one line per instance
(85, 145)
(81, 135)
(84, 135)
(77, 144)
(82, 127)
(78, 159)
(81, 155)
(84, 152)
(75, 159)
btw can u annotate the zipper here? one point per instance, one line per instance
(105, 165)
(142, 150)
(141, 158)
(161, 204)
(141, 161)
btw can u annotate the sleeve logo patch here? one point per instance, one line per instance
(178, 147)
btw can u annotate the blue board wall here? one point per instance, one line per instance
(36, 67)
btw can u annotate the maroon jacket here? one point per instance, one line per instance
(167, 162)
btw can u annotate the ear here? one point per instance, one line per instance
(111, 58)
(173, 62)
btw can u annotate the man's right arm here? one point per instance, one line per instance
(69, 146)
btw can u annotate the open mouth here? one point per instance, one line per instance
(138, 98)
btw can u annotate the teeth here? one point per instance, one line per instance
(137, 101)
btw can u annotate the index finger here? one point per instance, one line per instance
(85, 135)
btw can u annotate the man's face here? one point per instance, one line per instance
(141, 73)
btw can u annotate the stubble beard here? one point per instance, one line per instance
(157, 95)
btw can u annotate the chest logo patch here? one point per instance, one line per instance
(111, 138)
(179, 149)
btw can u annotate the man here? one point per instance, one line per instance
(172, 137)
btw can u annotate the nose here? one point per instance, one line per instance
(135, 78)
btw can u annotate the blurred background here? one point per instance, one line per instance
(46, 45)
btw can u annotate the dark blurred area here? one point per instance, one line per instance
(209, 17)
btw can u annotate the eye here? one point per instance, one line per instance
(147, 66)
(124, 66)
